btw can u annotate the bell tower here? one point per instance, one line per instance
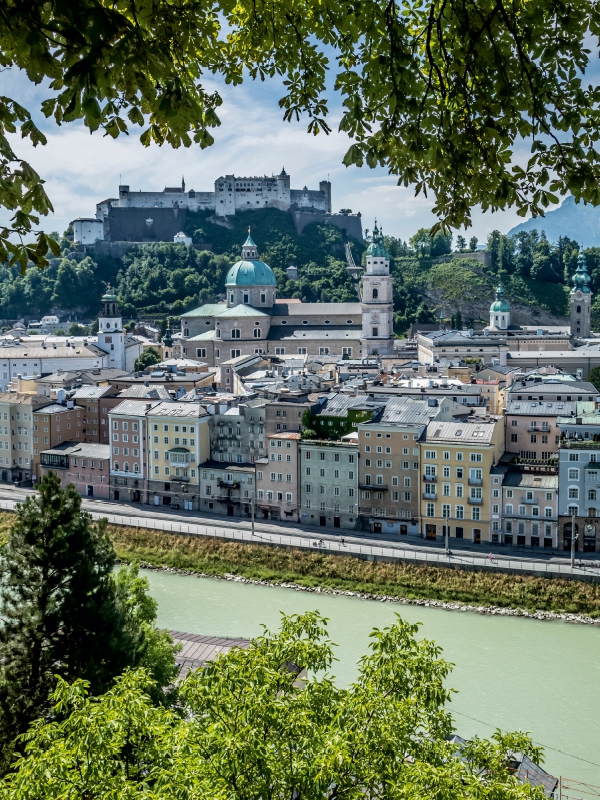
(110, 330)
(377, 300)
(581, 300)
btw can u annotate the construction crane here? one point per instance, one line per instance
(354, 270)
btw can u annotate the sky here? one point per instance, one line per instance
(81, 169)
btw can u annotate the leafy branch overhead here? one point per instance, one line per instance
(440, 92)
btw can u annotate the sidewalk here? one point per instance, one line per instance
(382, 551)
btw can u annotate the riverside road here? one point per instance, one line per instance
(364, 544)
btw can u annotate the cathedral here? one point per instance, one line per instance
(253, 320)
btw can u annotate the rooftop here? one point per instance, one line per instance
(85, 450)
(529, 480)
(461, 432)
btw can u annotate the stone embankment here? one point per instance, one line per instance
(384, 598)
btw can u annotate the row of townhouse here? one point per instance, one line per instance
(391, 464)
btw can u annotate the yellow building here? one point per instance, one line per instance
(178, 440)
(458, 490)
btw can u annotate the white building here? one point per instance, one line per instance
(377, 300)
(87, 230)
(231, 193)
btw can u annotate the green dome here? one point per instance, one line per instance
(581, 279)
(500, 304)
(376, 249)
(109, 297)
(250, 273)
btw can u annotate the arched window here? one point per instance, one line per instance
(591, 512)
(257, 333)
(136, 467)
(116, 466)
(236, 333)
(591, 494)
(375, 294)
(579, 309)
(126, 467)
(231, 298)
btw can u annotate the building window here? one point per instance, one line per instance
(375, 332)
(430, 510)
(257, 333)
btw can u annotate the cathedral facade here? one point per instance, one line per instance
(253, 320)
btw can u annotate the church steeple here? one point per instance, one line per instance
(249, 248)
(377, 299)
(581, 299)
(500, 311)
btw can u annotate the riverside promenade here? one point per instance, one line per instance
(356, 544)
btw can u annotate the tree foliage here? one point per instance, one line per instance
(149, 357)
(438, 92)
(62, 612)
(251, 729)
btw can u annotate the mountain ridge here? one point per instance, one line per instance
(574, 220)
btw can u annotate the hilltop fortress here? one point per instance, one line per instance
(158, 216)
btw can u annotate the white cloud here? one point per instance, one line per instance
(81, 169)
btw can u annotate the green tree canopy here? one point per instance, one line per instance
(250, 728)
(438, 92)
(149, 357)
(63, 613)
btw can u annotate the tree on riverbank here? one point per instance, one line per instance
(254, 727)
(63, 613)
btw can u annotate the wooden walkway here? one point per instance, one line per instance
(197, 649)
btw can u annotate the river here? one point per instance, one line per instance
(510, 673)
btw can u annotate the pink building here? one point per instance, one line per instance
(86, 466)
(128, 452)
(277, 489)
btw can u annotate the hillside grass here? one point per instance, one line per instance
(461, 279)
(306, 568)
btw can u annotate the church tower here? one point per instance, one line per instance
(110, 330)
(500, 311)
(377, 300)
(581, 300)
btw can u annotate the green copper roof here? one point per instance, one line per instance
(377, 249)
(500, 304)
(240, 310)
(207, 310)
(581, 279)
(249, 241)
(250, 273)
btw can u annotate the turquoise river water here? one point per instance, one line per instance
(510, 673)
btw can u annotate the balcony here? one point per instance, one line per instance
(475, 501)
(180, 479)
(525, 501)
(429, 496)
(371, 487)
(430, 478)
(228, 484)
(475, 481)
(579, 444)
